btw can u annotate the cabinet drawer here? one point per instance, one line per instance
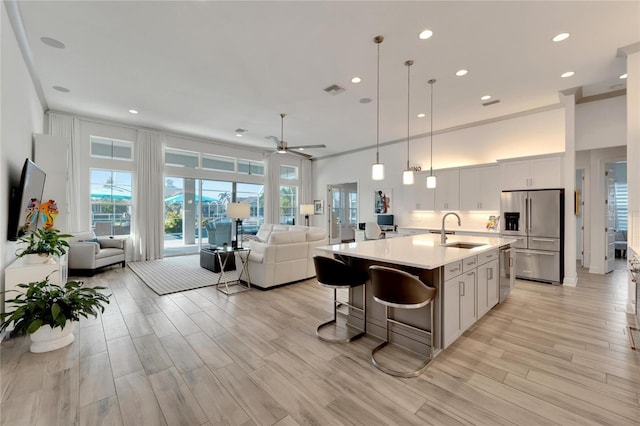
(487, 256)
(469, 263)
(452, 269)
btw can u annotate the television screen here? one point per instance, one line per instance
(385, 219)
(24, 208)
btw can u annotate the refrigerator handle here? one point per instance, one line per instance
(530, 213)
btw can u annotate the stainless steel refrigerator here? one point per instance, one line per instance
(536, 219)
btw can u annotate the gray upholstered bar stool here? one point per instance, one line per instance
(335, 274)
(398, 289)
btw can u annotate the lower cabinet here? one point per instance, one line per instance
(469, 292)
(488, 287)
(459, 306)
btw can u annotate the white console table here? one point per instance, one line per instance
(21, 272)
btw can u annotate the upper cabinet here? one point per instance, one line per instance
(480, 188)
(417, 196)
(447, 190)
(537, 173)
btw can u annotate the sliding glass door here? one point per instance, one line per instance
(196, 213)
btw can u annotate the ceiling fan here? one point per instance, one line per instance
(283, 147)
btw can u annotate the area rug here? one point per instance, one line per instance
(175, 274)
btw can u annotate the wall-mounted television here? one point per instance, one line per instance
(24, 206)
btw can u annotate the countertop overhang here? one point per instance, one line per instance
(421, 251)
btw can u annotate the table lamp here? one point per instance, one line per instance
(306, 210)
(238, 211)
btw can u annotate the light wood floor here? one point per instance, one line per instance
(549, 355)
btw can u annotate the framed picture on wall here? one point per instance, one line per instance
(382, 201)
(318, 207)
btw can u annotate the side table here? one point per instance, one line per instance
(236, 284)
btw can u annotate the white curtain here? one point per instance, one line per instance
(272, 190)
(148, 211)
(69, 129)
(306, 187)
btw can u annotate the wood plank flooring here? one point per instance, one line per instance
(548, 355)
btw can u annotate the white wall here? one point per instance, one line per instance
(601, 124)
(21, 115)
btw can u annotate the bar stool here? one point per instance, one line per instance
(399, 289)
(335, 274)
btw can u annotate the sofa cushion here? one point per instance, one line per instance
(316, 234)
(264, 232)
(288, 237)
(108, 252)
(89, 236)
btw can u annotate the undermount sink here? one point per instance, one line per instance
(464, 245)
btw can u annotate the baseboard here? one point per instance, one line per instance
(570, 282)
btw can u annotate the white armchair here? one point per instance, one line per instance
(88, 253)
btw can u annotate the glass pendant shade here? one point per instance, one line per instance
(377, 171)
(431, 182)
(407, 177)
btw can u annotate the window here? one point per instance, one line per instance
(111, 148)
(177, 158)
(622, 206)
(111, 201)
(223, 164)
(288, 204)
(251, 167)
(288, 172)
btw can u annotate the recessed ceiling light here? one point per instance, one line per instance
(460, 73)
(356, 80)
(133, 111)
(567, 74)
(421, 115)
(485, 97)
(61, 89)
(560, 37)
(301, 149)
(52, 42)
(425, 34)
(365, 100)
(623, 76)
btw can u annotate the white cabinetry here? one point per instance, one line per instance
(459, 298)
(447, 193)
(417, 196)
(537, 173)
(21, 272)
(480, 188)
(488, 284)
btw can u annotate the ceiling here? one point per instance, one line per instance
(206, 68)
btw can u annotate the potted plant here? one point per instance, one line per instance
(43, 243)
(48, 312)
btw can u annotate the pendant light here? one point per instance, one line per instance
(431, 179)
(407, 175)
(377, 169)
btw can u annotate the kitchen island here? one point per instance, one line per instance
(465, 273)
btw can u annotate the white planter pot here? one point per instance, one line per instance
(34, 258)
(47, 339)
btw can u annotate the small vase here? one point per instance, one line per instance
(48, 338)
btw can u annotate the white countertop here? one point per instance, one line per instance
(422, 251)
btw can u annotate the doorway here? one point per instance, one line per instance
(343, 212)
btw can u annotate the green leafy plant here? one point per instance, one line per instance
(44, 303)
(44, 242)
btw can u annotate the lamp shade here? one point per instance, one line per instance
(306, 209)
(238, 210)
(377, 171)
(431, 182)
(407, 177)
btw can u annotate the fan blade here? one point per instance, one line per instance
(306, 146)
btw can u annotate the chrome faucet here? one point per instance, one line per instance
(443, 236)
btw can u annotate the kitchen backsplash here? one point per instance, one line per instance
(470, 221)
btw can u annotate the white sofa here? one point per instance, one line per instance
(281, 254)
(88, 253)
